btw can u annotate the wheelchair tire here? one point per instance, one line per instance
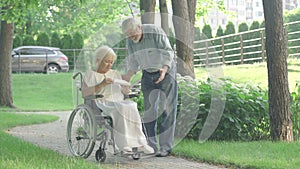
(100, 155)
(136, 156)
(81, 131)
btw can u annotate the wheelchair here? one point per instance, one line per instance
(87, 125)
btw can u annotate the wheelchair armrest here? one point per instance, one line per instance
(91, 97)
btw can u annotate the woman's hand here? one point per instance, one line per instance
(107, 81)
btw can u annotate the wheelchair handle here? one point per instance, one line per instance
(78, 73)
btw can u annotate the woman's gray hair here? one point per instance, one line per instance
(130, 24)
(101, 53)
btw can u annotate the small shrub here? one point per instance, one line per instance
(17, 41)
(28, 40)
(295, 109)
(43, 39)
(245, 116)
(55, 40)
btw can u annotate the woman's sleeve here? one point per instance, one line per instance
(92, 78)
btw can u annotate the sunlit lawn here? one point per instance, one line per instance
(256, 73)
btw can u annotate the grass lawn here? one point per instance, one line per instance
(256, 73)
(254, 155)
(39, 92)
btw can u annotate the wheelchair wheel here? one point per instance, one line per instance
(81, 133)
(100, 155)
(136, 155)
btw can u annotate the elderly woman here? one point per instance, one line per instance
(126, 119)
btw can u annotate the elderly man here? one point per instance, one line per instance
(149, 50)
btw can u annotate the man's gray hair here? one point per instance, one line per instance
(130, 24)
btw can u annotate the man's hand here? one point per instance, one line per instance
(162, 73)
(125, 90)
(128, 76)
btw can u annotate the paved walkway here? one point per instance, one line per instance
(53, 136)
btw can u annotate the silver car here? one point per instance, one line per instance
(39, 59)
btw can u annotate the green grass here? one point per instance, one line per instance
(256, 73)
(18, 154)
(36, 92)
(254, 155)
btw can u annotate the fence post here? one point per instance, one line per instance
(242, 53)
(47, 66)
(19, 62)
(74, 59)
(262, 46)
(206, 45)
(223, 51)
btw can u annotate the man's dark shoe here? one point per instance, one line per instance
(162, 153)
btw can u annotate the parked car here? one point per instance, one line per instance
(39, 59)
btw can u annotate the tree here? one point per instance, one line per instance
(279, 96)
(184, 21)
(6, 44)
(164, 16)
(147, 8)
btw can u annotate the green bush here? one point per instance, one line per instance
(17, 41)
(55, 40)
(245, 116)
(28, 40)
(295, 109)
(43, 39)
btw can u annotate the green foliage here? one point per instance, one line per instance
(28, 40)
(295, 109)
(77, 42)
(254, 25)
(42, 39)
(243, 27)
(219, 32)
(17, 41)
(245, 116)
(229, 28)
(66, 42)
(262, 24)
(207, 31)
(55, 40)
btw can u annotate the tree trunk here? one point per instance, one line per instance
(164, 16)
(6, 45)
(279, 96)
(184, 31)
(147, 8)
